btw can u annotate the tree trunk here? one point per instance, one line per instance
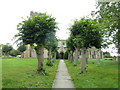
(76, 57)
(40, 56)
(49, 55)
(69, 56)
(22, 55)
(83, 61)
(54, 58)
(86, 57)
(31, 51)
(49, 58)
(98, 57)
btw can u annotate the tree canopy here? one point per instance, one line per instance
(70, 43)
(6, 49)
(108, 15)
(88, 32)
(34, 30)
(22, 48)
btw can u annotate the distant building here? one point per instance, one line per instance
(92, 53)
(62, 47)
(30, 52)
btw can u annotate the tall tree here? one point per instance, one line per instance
(70, 47)
(34, 31)
(108, 15)
(77, 45)
(54, 49)
(50, 45)
(6, 49)
(89, 34)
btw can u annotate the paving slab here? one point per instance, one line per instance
(63, 79)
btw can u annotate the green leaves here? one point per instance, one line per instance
(87, 33)
(22, 48)
(109, 17)
(6, 49)
(34, 30)
(51, 41)
(70, 43)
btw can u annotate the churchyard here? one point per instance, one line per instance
(88, 58)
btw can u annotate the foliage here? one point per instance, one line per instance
(70, 43)
(108, 15)
(6, 49)
(51, 45)
(14, 53)
(21, 73)
(49, 63)
(51, 42)
(87, 32)
(34, 30)
(101, 76)
(22, 48)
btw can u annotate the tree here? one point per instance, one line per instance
(34, 31)
(77, 45)
(14, 52)
(6, 49)
(89, 35)
(51, 45)
(70, 47)
(22, 48)
(54, 49)
(108, 15)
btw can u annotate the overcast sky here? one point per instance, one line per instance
(63, 10)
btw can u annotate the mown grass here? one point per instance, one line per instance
(21, 73)
(104, 75)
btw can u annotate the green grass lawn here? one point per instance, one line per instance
(104, 75)
(21, 73)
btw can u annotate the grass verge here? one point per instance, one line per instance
(104, 75)
(21, 73)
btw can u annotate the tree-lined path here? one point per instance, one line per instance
(63, 79)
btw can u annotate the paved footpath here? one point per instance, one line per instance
(63, 79)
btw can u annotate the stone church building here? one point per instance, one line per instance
(30, 52)
(92, 53)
